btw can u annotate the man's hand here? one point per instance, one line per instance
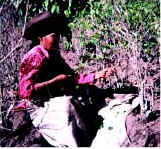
(110, 72)
(61, 77)
(105, 73)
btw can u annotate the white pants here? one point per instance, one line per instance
(52, 122)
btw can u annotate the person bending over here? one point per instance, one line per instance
(42, 70)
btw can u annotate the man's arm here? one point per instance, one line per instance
(49, 82)
(91, 77)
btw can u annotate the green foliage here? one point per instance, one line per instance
(102, 25)
(55, 8)
(144, 18)
(46, 4)
(93, 25)
(67, 12)
(67, 44)
(145, 14)
(103, 28)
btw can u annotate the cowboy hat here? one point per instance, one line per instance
(41, 25)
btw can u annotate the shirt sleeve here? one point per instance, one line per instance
(86, 78)
(25, 89)
(29, 68)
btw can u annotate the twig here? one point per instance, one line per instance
(24, 27)
(142, 100)
(21, 39)
(152, 102)
(18, 4)
(2, 7)
(18, 46)
(1, 98)
(18, 110)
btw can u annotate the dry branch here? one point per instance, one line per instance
(27, 9)
(2, 7)
(14, 49)
(19, 44)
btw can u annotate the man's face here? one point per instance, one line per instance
(48, 41)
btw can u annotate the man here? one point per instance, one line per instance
(42, 66)
(44, 75)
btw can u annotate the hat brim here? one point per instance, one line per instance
(40, 26)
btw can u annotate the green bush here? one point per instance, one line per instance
(102, 27)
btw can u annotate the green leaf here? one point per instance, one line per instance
(104, 49)
(55, 8)
(46, 4)
(71, 25)
(67, 13)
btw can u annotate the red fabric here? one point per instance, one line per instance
(86, 78)
(30, 68)
(21, 105)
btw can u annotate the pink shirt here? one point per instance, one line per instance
(30, 69)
